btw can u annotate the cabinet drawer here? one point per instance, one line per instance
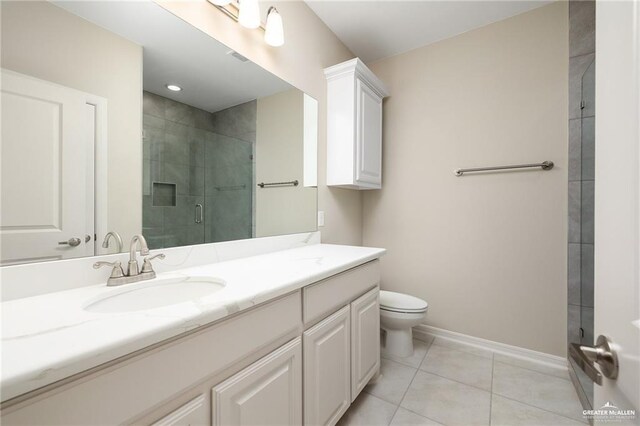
(321, 299)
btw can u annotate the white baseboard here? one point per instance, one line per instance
(426, 332)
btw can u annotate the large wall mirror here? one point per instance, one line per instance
(94, 139)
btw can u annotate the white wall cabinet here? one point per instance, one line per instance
(365, 340)
(354, 126)
(265, 393)
(327, 376)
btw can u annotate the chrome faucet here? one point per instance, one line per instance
(118, 277)
(116, 236)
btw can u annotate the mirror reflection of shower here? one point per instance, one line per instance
(198, 173)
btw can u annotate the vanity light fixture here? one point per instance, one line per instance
(247, 14)
(174, 88)
(274, 33)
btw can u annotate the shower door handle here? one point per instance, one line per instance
(198, 213)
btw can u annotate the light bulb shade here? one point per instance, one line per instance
(220, 2)
(274, 32)
(249, 16)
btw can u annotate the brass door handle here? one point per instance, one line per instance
(602, 354)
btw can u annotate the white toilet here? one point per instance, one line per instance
(398, 313)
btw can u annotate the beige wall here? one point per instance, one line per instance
(309, 48)
(279, 150)
(46, 42)
(487, 252)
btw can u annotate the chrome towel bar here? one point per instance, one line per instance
(545, 165)
(289, 183)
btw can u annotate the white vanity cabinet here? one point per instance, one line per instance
(301, 358)
(265, 393)
(342, 351)
(365, 340)
(193, 412)
(327, 369)
(354, 126)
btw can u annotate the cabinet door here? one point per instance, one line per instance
(327, 381)
(368, 136)
(365, 340)
(268, 392)
(190, 414)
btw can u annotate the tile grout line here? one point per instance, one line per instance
(534, 371)
(415, 373)
(410, 382)
(408, 387)
(501, 362)
(538, 408)
(403, 395)
(456, 381)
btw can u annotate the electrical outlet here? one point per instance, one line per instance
(320, 218)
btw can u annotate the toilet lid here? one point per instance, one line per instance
(400, 302)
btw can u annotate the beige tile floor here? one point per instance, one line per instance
(446, 383)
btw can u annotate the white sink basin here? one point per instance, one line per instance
(156, 293)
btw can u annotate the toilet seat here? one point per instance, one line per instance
(402, 303)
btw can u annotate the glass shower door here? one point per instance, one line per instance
(229, 188)
(586, 243)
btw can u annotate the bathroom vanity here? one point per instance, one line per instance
(292, 337)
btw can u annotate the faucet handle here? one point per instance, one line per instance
(146, 265)
(116, 272)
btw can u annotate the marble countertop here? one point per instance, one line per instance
(49, 337)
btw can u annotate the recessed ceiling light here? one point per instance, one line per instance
(174, 88)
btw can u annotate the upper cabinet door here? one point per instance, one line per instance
(268, 392)
(354, 126)
(365, 340)
(327, 381)
(368, 136)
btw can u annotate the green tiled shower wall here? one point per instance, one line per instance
(209, 158)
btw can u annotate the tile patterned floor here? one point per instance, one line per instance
(447, 383)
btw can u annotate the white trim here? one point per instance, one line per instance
(357, 67)
(310, 141)
(423, 332)
(101, 159)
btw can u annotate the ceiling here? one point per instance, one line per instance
(175, 52)
(377, 29)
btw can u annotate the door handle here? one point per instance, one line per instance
(198, 218)
(602, 354)
(73, 242)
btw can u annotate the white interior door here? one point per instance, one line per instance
(617, 200)
(48, 140)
